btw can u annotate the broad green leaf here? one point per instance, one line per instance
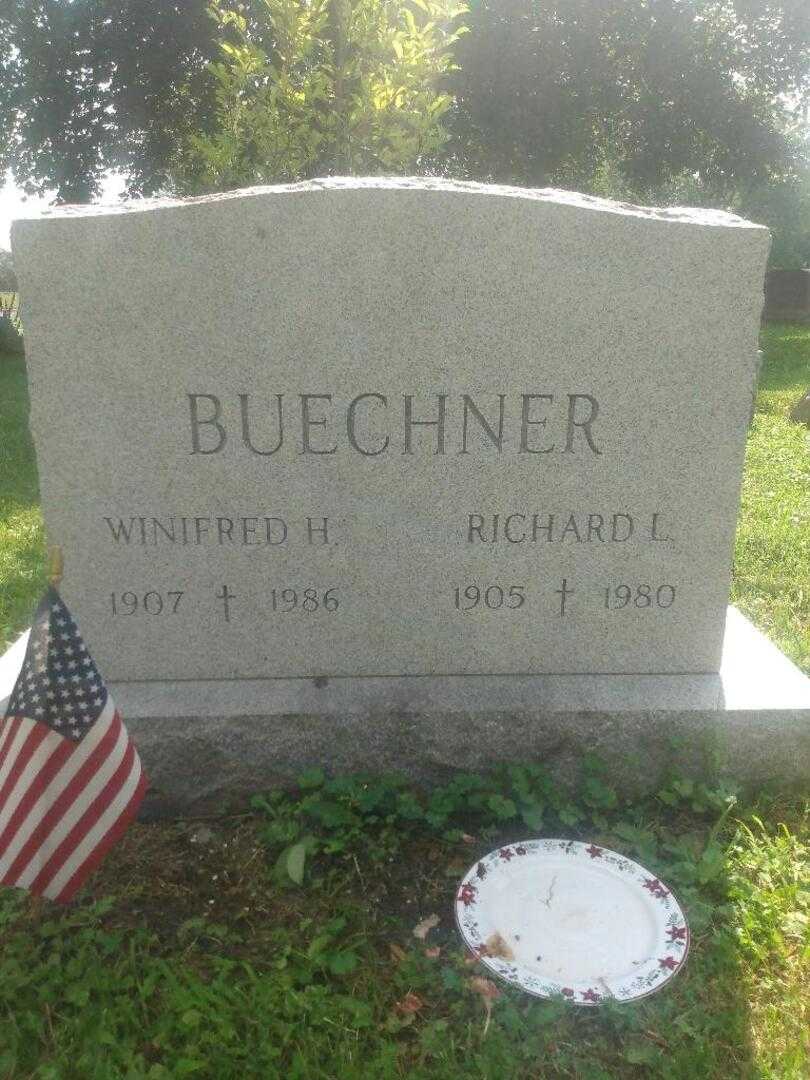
(295, 859)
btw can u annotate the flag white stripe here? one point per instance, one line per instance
(5, 732)
(23, 731)
(72, 813)
(57, 785)
(95, 836)
(39, 759)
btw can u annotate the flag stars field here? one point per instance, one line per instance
(70, 778)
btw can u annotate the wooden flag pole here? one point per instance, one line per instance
(56, 566)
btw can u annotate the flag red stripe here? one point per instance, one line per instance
(85, 823)
(37, 735)
(111, 837)
(81, 752)
(35, 790)
(10, 730)
(64, 801)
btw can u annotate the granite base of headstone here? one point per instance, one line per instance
(207, 745)
(405, 475)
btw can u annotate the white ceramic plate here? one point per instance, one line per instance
(561, 917)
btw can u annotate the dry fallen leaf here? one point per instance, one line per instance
(488, 992)
(398, 954)
(467, 838)
(434, 952)
(410, 1004)
(496, 946)
(485, 987)
(423, 928)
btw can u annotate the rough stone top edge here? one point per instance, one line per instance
(676, 214)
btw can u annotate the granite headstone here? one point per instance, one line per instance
(380, 429)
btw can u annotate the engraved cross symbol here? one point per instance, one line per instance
(564, 592)
(225, 595)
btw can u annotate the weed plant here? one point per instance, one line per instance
(280, 942)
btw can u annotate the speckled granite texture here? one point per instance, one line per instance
(392, 427)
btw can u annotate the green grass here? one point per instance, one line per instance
(771, 581)
(193, 954)
(22, 546)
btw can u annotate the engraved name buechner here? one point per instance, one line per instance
(373, 423)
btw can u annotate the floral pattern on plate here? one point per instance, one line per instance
(498, 892)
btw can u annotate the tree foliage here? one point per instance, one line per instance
(553, 90)
(324, 87)
(784, 206)
(92, 85)
(705, 101)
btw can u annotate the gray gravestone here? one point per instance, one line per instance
(787, 295)
(383, 429)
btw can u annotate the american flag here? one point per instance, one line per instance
(70, 777)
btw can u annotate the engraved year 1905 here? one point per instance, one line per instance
(493, 597)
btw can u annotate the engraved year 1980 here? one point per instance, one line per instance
(639, 596)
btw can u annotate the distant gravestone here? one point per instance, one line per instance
(800, 413)
(787, 295)
(8, 279)
(325, 456)
(11, 340)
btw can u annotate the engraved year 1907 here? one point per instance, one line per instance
(149, 603)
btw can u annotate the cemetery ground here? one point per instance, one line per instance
(295, 939)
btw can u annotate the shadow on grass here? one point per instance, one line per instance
(786, 369)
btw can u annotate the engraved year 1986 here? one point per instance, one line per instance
(309, 600)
